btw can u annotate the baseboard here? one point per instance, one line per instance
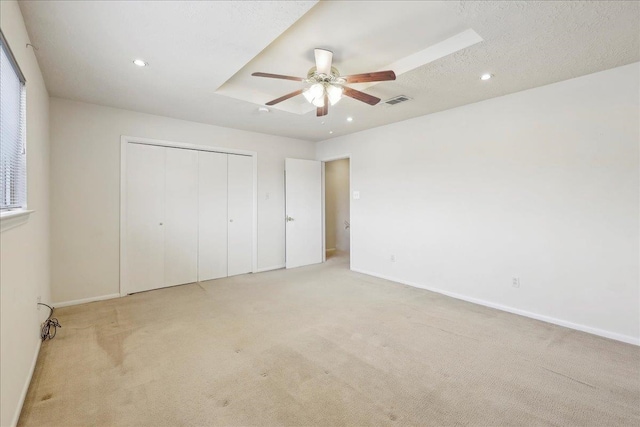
(273, 267)
(583, 328)
(330, 250)
(85, 300)
(25, 389)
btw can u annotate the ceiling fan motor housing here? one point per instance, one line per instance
(314, 77)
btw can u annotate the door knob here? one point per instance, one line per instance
(160, 223)
(230, 220)
(289, 219)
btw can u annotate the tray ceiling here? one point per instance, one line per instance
(201, 54)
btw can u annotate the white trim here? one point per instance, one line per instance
(15, 218)
(330, 250)
(123, 213)
(25, 388)
(583, 328)
(323, 191)
(185, 145)
(273, 267)
(324, 160)
(84, 300)
(340, 157)
(125, 139)
(254, 254)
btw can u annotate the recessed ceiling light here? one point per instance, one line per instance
(486, 76)
(349, 119)
(330, 131)
(140, 63)
(263, 109)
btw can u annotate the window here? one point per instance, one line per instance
(13, 170)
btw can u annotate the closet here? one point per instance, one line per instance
(187, 216)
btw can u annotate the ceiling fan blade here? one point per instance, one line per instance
(323, 61)
(323, 111)
(278, 76)
(360, 96)
(378, 76)
(285, 97)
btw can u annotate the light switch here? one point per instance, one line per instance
(356, 195)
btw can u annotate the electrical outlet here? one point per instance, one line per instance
(515, 282)
(393, 258)
(39, 300)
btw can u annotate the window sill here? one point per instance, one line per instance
(15, 218)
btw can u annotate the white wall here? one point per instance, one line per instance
(85, 182)
(541, 184)
(336, 204)
(24, 249)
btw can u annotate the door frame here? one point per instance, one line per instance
(324, 160)
(125, 139)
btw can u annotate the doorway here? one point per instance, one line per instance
(337, 209)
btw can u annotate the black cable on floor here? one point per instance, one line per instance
(50, 326)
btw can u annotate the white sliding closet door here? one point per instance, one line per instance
(212, 211)
(181, 217)
(187, 215)
(240, 208)
(144, 234)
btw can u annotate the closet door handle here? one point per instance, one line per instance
(289, 219)
(230, 220)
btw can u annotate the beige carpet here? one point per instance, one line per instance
(323, 346)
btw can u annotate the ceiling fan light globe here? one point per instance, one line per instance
(315, 94)
(317, 90)
(308, 95)
(334, 93)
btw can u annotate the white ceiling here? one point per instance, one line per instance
(368, 43)
(201, 54)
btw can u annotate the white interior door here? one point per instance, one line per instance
(303, 192)
(181, 217)
(144, 234)
(212, 212)
(240, 211)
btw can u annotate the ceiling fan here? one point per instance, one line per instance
(326, 85)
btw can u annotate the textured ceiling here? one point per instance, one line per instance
(356, 48)
(200, 54)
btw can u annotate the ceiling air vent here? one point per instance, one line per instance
(397, 99)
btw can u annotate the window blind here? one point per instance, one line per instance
(13, 171)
